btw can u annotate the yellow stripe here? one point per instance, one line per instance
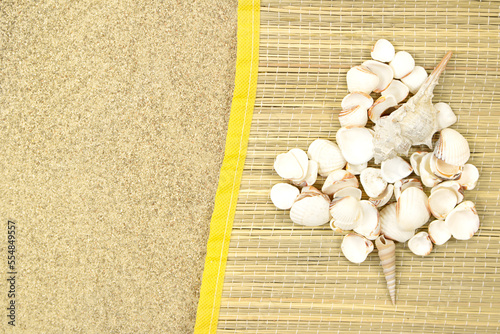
(232, 166)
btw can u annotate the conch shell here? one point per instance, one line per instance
(413, 123)
(387, 253)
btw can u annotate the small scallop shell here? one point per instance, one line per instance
(453, 186)
(441, 202)
(328, 156)
(356, 247)
(283, 195)
(356, 144)
(445, 116)
(383, 51)
(443, 170)
(361, 79)
(397, 89)
(412, 209)
(372, 181)
(402, 64)
(348, 191)
(357, 99)
(383, 198)
(429, 179)
(381, 104)
(469, 177)
(415, 79)
(395, 169)
(383, 71)
(356, 169)
(346, 213)
(337, 180)
(452, 147)
(420, 244)
(310, 209)
(387, 254)
(355, 116)
(401, 185)
(463, 221)
(438, 232)
(390, 227)
(415, 160)
(369, 225)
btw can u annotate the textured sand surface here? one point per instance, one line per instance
(112, 128)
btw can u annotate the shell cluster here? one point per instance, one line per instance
(392, 198)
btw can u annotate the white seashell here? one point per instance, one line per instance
(401, 185)
(453, 186)
(357, 99)
(369, 225)
(452, 147)
(383, 71)
(372, 181)
(415, 160)
(348, 191)
(395, 169)
(429, 179)
(346, 213)
(356, 144)
(402, 64)
(438, 232)
(361, 79)
(383, 51)
(356, 247)
(381, 105)
(441, 202)
(415, 79)
(337, 180)
(311, 208)
(468, 178)
(383, 198)
(328, 156)
(283, 195)
(387, 254)
(397, 89)
(355, 116)
(312, 173)
(390, 227)
(356, 169)
(412, 209)
(420, 244)
(463, 221)
(443, 170)
(445, 116)
(288, 167)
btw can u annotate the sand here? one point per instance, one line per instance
(113, 118)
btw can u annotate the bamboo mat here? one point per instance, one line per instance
(284, 278)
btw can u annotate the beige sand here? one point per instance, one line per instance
(113, 122)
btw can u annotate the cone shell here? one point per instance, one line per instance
(380, 106)
(337, 180)
(387, 254)
(420, 244)
(346, 213)
(283, 195)
(390, 227)
(415, 79)
(383, 51)
(328, 156)
(415, 160)
(395, 169)
(310, 209)
(401, 185)
(397, 89)
(383, 71)
(445, 115)
(438, 232)
(348, 191)
(452, 147)
(369, 225)
(412, 209)
(361, 79)
(355, 116)
(468, 178)
(356, 247)
(441, 202)
(402, 64)
(356, 144)
(356, 169)
(384, 197)
(444, 170)
(372, 181)
(463, 221)
(357, 99)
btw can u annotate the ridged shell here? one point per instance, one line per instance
(463, 221)
(355, 116)
(415, 79)
(390, 227)
(357, 99)
(356, 247)
(397, 89)
(387, 254)
(383, 71)
(420, 244)
(328, 156)
(412, 209)
(401, 185)
(369, 225)
(346, 213)
(395, 169)
(452, 147)
(310, 209)
(337, 180)
(383, 51)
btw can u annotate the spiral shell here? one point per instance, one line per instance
(387, 254)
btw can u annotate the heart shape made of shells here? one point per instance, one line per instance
(396, 128)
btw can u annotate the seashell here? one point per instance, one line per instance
(444, 170)
(387, 254)
(383, 198)
(415, 79)
(401, 185)
(415, 160)
(283, 195)
(420, 244)
(356, 169)
(445, 116)
(453, 186)
(468, 178)
(369, 225)
(361, 79)
(390, 227)
(380, 106)
(412, 209)
(383, 51)
(311, 208)
(355, 116)
(402, 64)
(441, 202)
(312, 189)
(288, 167)
(383, 71)
(354, 99)
(414, 123)
(356, 247)
(346, 213)
(463, 221)
(429, 179)
(452, 147)
(348, 191)
(438, 232)
(328, 156)
(395, 169)
(356, 144)
(397, 89)
(337, 180)
(372, 181)
(312, 173)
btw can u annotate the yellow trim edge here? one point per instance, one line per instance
(240, 119)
